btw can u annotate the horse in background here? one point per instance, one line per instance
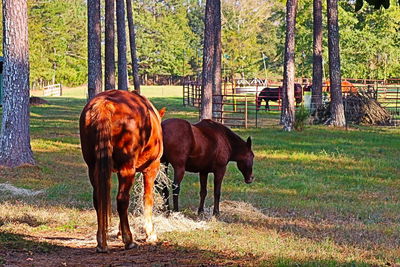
(347, 87)
(275, 94)
(120, 131)
(205, 147)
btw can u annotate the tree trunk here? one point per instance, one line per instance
(208, 61)
(337, 109)
(109, 45)
(132, 42)
(288, 109)
(122, 64)
(217, 79)
(94, 49)
(316, 97)
(15, 147)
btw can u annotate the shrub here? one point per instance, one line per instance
(301, 117)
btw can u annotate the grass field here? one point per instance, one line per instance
(322, 197)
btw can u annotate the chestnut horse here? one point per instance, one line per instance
(204, 147)
(121, 132)
(275, 94)
(347, 87)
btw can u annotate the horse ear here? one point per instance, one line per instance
(162, 112)
(249, 142)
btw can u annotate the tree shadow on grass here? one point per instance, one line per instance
(21, 250)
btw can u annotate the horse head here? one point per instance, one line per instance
(245, 162)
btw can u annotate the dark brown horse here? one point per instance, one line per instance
(204, 147)
(121, 132)
(275, 94)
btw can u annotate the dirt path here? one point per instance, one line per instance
(77, 251)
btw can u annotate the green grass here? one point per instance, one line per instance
(331, 197)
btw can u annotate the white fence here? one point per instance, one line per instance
(53, 90)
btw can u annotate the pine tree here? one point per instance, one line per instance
(109, 45)
(316, 98)
(337, 108)
(15, 148)
(94, 49)
(288, 109)
(132, 42)
(121, 32)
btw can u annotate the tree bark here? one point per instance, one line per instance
(288, 109)
(15, 147)
(337, 109)
(94, 49)
(121, 32)
(132, 42)
(109, 45)
(217, 79)
(208, 61)
(316, 95)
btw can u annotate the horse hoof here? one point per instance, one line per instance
(101, 250)
(152, 238)
(130, 246)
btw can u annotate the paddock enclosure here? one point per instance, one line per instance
(239, 99)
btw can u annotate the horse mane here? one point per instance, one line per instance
(232, 136)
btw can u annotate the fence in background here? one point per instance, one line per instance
(239, 100)
(52, 90)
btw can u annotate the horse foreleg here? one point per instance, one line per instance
(125, 180)
(218, 176)
(179, 172)
(267, 105)
(203, 191)
(149, 175)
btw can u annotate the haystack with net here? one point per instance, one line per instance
(360, 108)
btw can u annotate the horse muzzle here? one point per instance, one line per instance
(249, 180)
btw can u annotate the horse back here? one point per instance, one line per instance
(131, 126)
(212, 144)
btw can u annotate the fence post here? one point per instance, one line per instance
(245, 112)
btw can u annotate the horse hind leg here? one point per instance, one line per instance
(203, 191)
(125, 178)
(103, 216)
(149, 176)
(179, 172)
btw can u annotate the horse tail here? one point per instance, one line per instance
(103, 167)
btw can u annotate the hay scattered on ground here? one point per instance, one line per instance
(237, 211)
(138, 192)
(6, 188)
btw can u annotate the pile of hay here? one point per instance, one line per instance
(360, 108)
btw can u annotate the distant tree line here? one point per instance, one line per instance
(170, 36)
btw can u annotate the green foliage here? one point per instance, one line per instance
(370, 42)
(246, 36)
(57, 40)
(166, 36)
(301, 117)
